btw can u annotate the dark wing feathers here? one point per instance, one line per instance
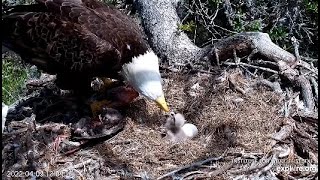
(106, 22)
(72, 35)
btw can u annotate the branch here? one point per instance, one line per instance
(252, 66)
(193, 165)
(245, 43)
(307, 94)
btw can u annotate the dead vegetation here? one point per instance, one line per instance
(244, 132)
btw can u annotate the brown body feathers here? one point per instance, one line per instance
(72, 38)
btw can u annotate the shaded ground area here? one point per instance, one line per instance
(241, 126)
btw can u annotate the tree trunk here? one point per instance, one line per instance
(161, 24)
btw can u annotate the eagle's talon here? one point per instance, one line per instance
(97, 107)
(97, 84)
(102, 84)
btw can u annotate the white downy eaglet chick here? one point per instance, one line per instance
(178, 130)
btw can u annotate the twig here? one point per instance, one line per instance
(191, 166)
(308, 67)
(216, 54)
(309, 59)
(80, 165)
(19, 131)
(252, 66)
(254, 74)
(291, 177)
(315, 87)
(222, 169)
(265, 164)
(296, 48)
(251, 155)
(303, 118)
(236, 58)
(195, 30)
(301, 132)
(273, 160)
(191, 175)
(175, 70)
(107, 134)
(206, 175)
(266, 62)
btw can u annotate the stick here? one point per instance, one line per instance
(75, 167)
(273, 160)
(308, 59)
(296, 48)
(315, 87)
(193, 165)
(266, 62)
(264, 164)
(252, 66)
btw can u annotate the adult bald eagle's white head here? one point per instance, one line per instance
(142, 73)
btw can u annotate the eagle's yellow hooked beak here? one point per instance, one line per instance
(161, 102)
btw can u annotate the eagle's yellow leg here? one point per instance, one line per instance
(107, 83)
(97, 106)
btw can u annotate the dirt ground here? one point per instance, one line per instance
(231, 123)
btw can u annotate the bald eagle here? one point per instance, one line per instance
(81, 39)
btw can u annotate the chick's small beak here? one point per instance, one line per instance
(161, 101)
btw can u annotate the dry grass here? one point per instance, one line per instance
(224, 124)
(227, 121)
